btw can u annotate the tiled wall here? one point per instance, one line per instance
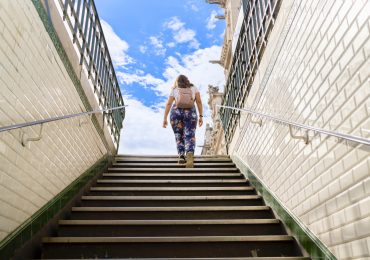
(34, 84)
(315, 71)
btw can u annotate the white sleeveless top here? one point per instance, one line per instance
(175, 92)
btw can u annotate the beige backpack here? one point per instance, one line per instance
(185, 98)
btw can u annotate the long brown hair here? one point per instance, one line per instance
(182, 82)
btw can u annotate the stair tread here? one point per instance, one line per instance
(202, 208)
(222, 258)
(181, 169)
(194, 239)
(171, 222)
(166, 156)
(216, 197)
(175, 165)
(218, 258)
(172, 181)
(173, 159)
(172, 174)
(170, 188)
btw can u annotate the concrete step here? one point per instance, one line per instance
(174, 170)
(170, 160)
(191, 246)
(178, 176)
(171, 191)
(171, 165)
(193, 239)
(170, 201)
(168, 222)
(223, 258)
(172, 183)
(172, 213)
(155, 228)
(143, 157)
(228, 258)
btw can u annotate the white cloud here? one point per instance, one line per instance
(142, 131)
(197, 67)
(158, 45)
(194, 44)
(144, 80)
(174, 24)
(184, 35)
(117, 46)
(194, 7)
(143, 49)
(181, 34)
(211, 21)
(171, 44)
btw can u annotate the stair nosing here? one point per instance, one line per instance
(173, 174)
(198, 208)
(245, 188)
(174, 181)
(170, 222)
(166, 156)
(226, 258)
(173, 169)
(172, 164)
(176, 239)
(211, 197)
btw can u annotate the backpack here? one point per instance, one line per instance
(185, 98)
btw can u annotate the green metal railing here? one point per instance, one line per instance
(259, 17)
(87, 34)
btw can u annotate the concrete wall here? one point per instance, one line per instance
(34, 84)
(315, 71)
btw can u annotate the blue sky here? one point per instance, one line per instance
(151, 42)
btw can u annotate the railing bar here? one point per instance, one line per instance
(82, 20)
(38, 122)
(348, 137)
(77, 20)
(65, 9)
(84, 27)
(93, 48)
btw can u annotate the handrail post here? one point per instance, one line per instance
(24, 140)
(305, 138)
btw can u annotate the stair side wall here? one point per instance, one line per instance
(36, 84)
(315, 71)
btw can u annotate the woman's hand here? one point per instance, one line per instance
(165, 123)
(200, 121)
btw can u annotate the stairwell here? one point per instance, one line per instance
(148, 207)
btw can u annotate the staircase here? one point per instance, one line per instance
(153, 208)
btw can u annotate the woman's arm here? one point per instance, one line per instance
(200, 108)
(167, 110)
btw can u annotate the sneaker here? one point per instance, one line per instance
(182, 159)
(189, 160)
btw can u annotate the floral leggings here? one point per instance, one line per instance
(184, 123)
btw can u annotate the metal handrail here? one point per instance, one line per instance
(347, 137)
(40, 122)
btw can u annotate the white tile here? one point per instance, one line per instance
(35, 174)
(359, 248)
(357, 192)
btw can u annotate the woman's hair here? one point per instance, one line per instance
(182, 82)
